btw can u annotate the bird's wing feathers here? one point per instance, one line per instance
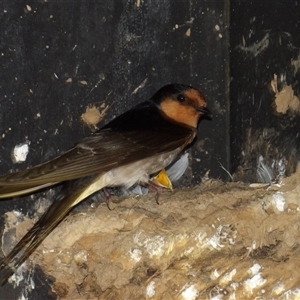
(113, 146)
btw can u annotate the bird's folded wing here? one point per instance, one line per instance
(97, 154)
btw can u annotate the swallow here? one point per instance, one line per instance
(128, 150)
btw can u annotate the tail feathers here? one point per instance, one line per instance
(72, 193)
(7, 272)
(34, 237)
(10, 264)
(31, 241)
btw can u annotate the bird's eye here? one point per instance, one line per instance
(180, 98)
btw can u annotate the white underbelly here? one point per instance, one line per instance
(130, 174)
(139, 171)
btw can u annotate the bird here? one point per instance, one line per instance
(126, 151)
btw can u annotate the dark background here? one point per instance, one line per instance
(264, 41)
(115, 46)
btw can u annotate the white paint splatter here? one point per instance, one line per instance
(19, 217)
(234, 285)
(227, 277)
(19, 153)
(217, 293)
(256, 281)
(214, 275)
(214, 241)
(155, 246)
(18, 276)
(254, 270)
(48, 251)
(292, 294)
(81, 256)
(150, 289)
(278, 289)
(224, 234)
(190, 293)
(253, 283)
(17, 213)
(188, 251)
(232, 296)
(135, 254)
(278, 201)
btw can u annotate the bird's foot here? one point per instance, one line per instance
(157, 189)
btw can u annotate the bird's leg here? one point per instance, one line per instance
(160, 182)
(107, 199)
(157, 189)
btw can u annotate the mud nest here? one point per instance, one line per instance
(216, 241)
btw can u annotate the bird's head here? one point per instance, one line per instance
(182, 104)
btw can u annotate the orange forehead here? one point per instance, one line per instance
(196, 97)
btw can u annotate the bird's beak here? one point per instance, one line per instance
(206, 112)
